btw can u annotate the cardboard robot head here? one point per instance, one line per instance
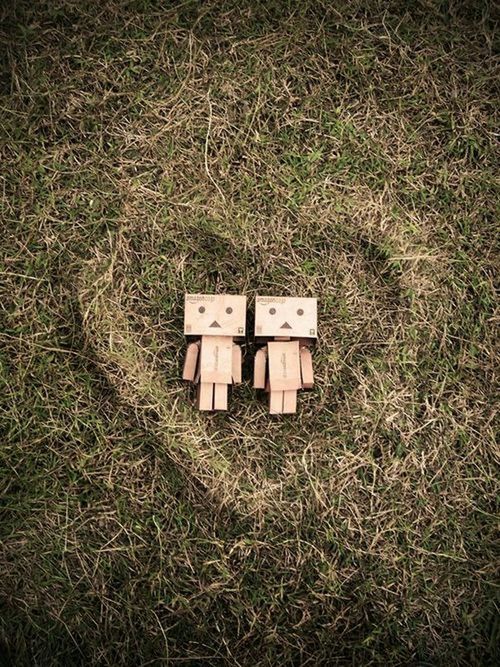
(214, 315)
(295, 317)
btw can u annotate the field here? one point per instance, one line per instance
(344, 150)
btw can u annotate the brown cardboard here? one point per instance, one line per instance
(284, 365)
(216, 359)
(278, 316)
(214, 314)
(190, 362)
(306, 367)
(275, 402)
(220, 396)
(259, 369)
(236, 364)
(205, 396)
(290, 401)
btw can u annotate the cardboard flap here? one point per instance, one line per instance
(284, 365)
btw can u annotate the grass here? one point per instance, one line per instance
(346, 151)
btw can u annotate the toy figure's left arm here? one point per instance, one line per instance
(306, 367)
(236, 364)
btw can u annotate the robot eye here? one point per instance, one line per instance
(201, 309)
(229, 310)
(300, 311)
(272, 311)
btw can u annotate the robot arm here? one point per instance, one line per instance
(306, 368)
(191, 361)
(259, 368)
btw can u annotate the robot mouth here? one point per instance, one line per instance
(215, 324)
(285, 326)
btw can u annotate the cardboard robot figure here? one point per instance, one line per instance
(213, 359)
(287, 327)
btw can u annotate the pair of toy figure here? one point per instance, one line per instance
(285, 327)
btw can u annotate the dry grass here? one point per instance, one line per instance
(342, 151)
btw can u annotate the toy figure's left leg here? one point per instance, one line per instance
(220, 396)
(290, 401)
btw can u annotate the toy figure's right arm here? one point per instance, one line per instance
(191, 361)
(259, 369)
